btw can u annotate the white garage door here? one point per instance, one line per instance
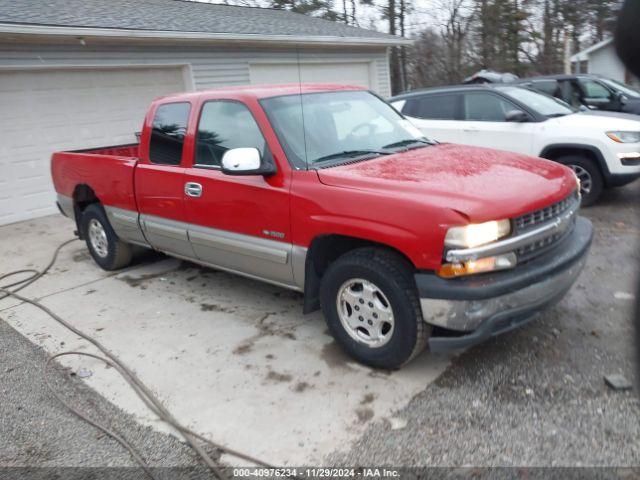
(44, 111)
(348, 73)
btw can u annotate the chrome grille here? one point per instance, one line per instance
(531, 220)
(545, 214)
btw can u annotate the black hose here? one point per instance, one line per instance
(113, 361)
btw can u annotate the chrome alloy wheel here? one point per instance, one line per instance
(585, 179)
(365, 312)
(98, 238)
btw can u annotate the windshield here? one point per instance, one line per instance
(541, 103)
(333, 127)
(621, 87)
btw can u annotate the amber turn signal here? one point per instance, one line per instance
(481, 265)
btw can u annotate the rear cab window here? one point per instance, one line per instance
(167, 133)
(433, 107)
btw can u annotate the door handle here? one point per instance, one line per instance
(193, 189)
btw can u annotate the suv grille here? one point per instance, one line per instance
(531, 220)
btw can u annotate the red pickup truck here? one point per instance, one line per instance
(327, 190)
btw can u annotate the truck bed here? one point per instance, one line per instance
(128, 150)
(108, 171)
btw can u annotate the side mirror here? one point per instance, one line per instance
(516, 116)
(621, 98)
(245, 161)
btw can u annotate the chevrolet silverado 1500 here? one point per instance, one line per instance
(324, 189)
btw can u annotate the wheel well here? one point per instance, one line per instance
(325, 250)
(83, 196)
(555, 153)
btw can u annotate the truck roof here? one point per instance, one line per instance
(262, 91)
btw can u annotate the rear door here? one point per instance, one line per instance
(437, 115)
(159, 180)
(239, 223)
(485, 123)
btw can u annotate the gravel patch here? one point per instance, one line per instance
(37, 431)
(536, 396)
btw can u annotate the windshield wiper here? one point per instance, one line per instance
(556, 115)
(350, 153)
(409, 141)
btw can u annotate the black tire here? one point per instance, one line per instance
(118, 253)
(392, 274)
(586, 168)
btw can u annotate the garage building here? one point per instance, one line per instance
(81, 73)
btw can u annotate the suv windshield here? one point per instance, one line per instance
(543, 104)
(333, 127)
(621, 87)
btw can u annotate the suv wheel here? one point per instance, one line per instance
(591, 181)
(371, 306)
(108, 251)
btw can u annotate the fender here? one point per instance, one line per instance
(579, 146)
(322, 251)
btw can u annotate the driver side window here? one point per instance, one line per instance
(594, 89)
(225, 125)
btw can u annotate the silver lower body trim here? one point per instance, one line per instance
(298, 264)
(66, 205)
(126, 225)
(263, 259)
(236, 272)
(468, 315)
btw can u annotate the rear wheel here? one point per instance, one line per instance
(108, 251)
(591, 181)
(371, 306)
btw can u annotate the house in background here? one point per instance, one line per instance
(602, 59)
(81, 73)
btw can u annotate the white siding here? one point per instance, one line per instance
(211, 66)
(52, 110)
(606, 62)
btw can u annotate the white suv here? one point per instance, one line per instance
(603, 149)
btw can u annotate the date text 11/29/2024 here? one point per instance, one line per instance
(308, 472)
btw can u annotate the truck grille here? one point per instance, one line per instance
(528, 220)
(532, 220)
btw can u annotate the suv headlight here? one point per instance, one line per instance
(624, 137)
(476, 234)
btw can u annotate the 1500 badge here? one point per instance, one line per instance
(274, 234)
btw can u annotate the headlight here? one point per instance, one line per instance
(474, 235)
(624, 137)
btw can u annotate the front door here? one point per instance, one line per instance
(159, 182)
(596, 95)
(485, 124)
(239, 223)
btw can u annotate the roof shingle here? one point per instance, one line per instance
(176, 16)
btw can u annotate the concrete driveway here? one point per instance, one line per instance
(237, 361)
(232, 358)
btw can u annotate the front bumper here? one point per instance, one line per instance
(474, 309)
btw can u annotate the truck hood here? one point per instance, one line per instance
(480, 183)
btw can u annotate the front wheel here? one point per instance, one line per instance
(108, 251)
(591, 181)
(372, 309)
